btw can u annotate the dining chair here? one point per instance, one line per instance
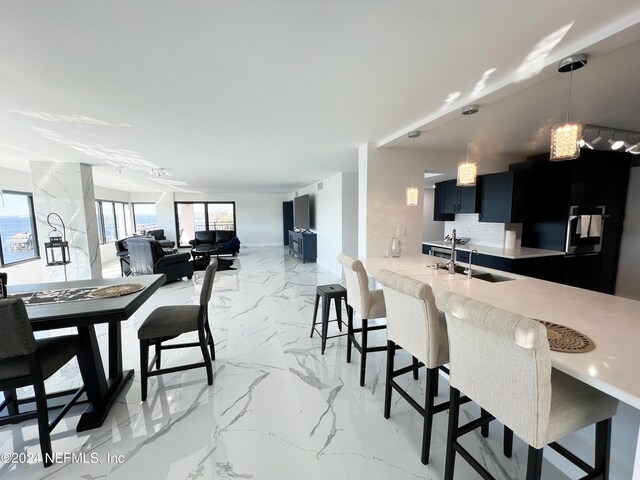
(24, 361)
(171, 321)
(368, 305)
(415, 324)
(502, 361)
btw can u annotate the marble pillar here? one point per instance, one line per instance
(67, 189)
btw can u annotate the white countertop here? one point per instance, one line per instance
(516, 253)
(613, 323)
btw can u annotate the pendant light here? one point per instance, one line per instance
(468, 171)
(412, 191)
(565, 138)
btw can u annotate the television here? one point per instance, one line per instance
(302, 212)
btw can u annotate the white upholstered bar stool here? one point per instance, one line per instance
(415, 324)
(368, 305)
(502, 361)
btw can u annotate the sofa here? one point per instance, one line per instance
(146, 257)
(218, 239)
(122, 251)
(159, 235)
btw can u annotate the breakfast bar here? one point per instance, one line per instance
(612, 322)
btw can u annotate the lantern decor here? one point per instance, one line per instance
(57, 248)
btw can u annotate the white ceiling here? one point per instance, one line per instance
(272, 96)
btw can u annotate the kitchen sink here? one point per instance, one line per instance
(492, 277)
(487, 277)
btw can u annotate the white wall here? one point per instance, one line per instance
(628, 280)
(335, 209)
(258, 215)
(431, 230)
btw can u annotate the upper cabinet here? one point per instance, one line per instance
(456, 199)
(503, 197)
(439, 197)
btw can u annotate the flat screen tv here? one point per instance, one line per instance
(302, 212)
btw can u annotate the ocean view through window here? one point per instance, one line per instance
(18, 235)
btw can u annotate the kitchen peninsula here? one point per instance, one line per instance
(613, 323)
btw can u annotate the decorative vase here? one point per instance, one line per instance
(396, 247)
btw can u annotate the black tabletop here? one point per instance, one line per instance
(100, 310)
(206, 248)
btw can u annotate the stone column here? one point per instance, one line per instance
(67, 189)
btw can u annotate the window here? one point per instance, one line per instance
(113, 220)
(18, 236)
(192, 217)
(144, 217)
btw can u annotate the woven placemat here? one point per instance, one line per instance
(567, 340)
(116, 290)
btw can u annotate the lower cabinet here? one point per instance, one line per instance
(582, 271)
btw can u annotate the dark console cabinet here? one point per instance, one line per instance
(303, 245)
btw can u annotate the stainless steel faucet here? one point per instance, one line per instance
(469, 272)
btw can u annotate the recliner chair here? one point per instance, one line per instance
(147, 257)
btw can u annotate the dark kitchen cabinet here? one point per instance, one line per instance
(457, 199)
(503, 197)
(582, 271)
(439, 197)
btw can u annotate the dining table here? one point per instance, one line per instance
(102, 387)
(611, 322)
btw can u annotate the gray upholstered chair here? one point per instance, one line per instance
(368, 305)
(502, 361)
(415, 324)
(170, 321)
(26, 361)
(146, 257)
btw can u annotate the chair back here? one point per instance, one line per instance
(413, 320)
(358, 295)
(3, 285)
(17, 335)
(207, 283)
(501, 361)
(143, 255)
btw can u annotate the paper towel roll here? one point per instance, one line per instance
(509, 239)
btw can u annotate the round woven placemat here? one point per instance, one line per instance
(567, 340)
(116, 290)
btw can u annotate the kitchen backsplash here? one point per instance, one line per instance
(481, 233)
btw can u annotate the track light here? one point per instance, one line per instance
(615, 144)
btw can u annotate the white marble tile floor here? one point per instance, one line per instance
(277, 410)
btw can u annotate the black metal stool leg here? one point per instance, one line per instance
(415, 367)
(325, 321)
(315, 314)
(338, 303)
(603, 446)
(428, 415)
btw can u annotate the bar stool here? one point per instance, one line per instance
(333, 292)
(415, 324)
(368, 304)
(502, 361)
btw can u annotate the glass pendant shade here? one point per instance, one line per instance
(412, 196)
(565, 141)
(467, 174)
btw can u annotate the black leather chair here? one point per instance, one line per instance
(147, 257)
(3, 285)
(170, 321)
(26, 361)
(159, 235)
(123, 256)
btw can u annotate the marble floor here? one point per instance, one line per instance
(277, 410)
